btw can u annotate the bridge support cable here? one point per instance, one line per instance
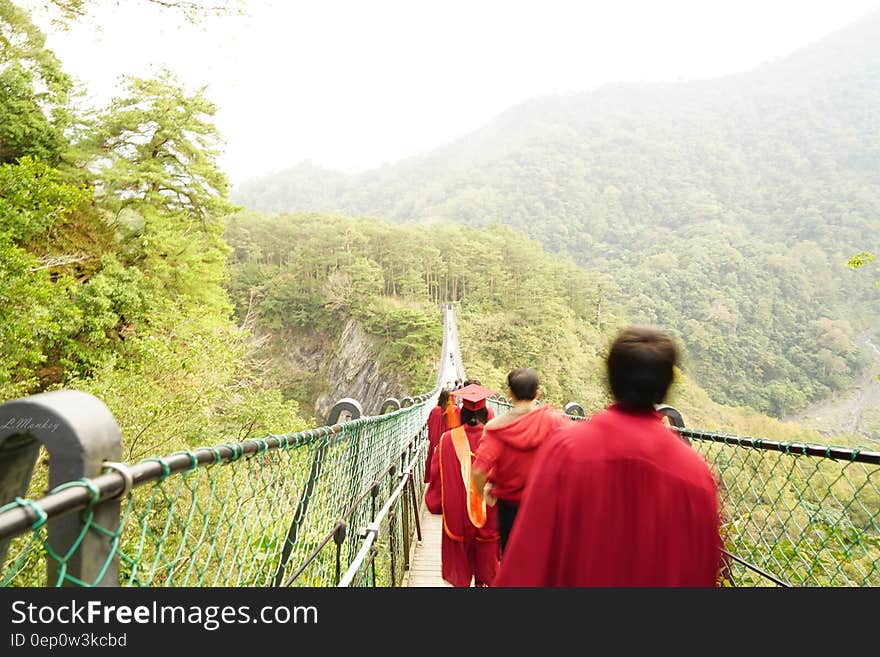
(301, 509)
(753, 568)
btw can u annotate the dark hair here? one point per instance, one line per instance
(443, 399)
(523, 383)
(640, 366)
(475, 382)
(474, 417)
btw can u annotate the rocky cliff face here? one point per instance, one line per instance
(319, 370)
(352, 371)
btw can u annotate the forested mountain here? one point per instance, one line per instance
(723, 209)
(304, 277)
(311, 273)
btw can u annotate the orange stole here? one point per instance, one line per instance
(449, 414)
(476, 505)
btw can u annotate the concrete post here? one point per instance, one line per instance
(575, 410)
(80, 433)
(345, 410)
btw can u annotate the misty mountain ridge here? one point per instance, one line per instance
(830, 72)
(724, 209)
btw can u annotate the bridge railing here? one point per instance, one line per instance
(282, 510)
(796, 514)
(386, 544)
(289, 510)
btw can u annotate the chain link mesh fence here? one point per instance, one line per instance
(808, 515)
(253, 513)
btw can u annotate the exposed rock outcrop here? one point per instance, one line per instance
(321, 369)
(352, 371)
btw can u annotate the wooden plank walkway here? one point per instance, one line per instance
(425, 565)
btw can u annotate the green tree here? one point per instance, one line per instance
(37, 315)
(34, 91)
(157, 146)
(859, 260)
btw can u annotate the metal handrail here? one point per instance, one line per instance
(345, 517)
(110, 485)
(793, 448)
(373, 530)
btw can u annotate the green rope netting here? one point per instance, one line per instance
(807, 519)
(389, 556)
(246, 520)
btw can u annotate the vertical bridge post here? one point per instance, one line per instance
(573, 409)
(674, 417)
(345, 410)
(80, 433)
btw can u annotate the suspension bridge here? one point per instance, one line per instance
(341, 505)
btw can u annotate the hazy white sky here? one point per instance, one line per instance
(351, 84)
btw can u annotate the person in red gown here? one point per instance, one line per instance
(619, 499)
(469, 546)
(443, 417)
(489, 410)
(510, 444)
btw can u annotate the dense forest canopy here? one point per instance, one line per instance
(112, 255)
(517, 305)
(724, 209)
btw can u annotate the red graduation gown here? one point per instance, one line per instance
(435, 430)
(619, 500)
(467, 551)
(438, 422)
